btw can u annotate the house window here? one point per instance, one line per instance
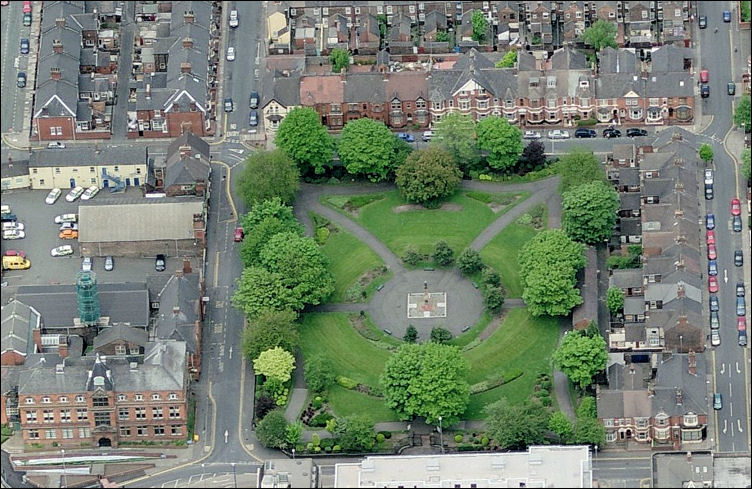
(140, 413)
(420, 104)
(46, 400)
(159, 430)
(142, 430)
(336, 108)
(156, 413)
(101, 401)
(464, 105)
(120, 350)
(117, 168)
(121, 397)
(644, 14)
(482, 104)
(174, 411)
(49, 416)
(611, 437)
(125, 431)
(396, 105)
(101, 419)
(29, 400)
(123, 414)
(690, 419)
(33, 434)
(31, 416)
(67, 433)
(83, 432)
(91, 169)
(49, 434)
(62, 399)
(79, 398)
(172, 396)
(551, 103)
(139, 397)
(176, 429)
(65, 416)
(82, 414)
(155, 397)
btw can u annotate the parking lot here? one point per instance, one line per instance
(42, 236)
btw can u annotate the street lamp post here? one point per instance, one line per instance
(441, 436)
(65, 477)
(293, 454)
(234, 477)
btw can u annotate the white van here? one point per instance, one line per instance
(4, 209)
(427, 135)
(234, 22)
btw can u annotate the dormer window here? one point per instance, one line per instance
(396, 104)
(29, 400)
(155, 397)
(46, 400)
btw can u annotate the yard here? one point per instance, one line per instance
(349, 258)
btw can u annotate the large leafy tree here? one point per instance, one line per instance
(259, 289)
(368, 148)
(743, 113)
(579, 166)
(746, 167)
(268, 174)
(268, 330)
(272, 430)
(551, 290)
(427, 380)
(581, 356)
(502, 141)
(427, 176)
(455, 132)
(549, 247)
(615, 300)
(480, 26)
(273, 207)
(600, 35)
(275, 364)
(509, 59)
(589, 212)
(260, 234)
(588, 408)
(318, 373)
(560, 424)
(514, 427)
(304, 139)
(469, 261)
(355, 433)
(302, 265)
(339, 58)
(533, 158)
(589, 431)
(705, 152)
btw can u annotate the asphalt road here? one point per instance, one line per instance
(11, 110)
(731, 368)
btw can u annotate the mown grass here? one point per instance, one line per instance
(349, 258)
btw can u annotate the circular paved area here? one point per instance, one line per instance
(388, 307)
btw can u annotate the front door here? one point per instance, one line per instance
(127, 182)
(135, 182)
(105, 442)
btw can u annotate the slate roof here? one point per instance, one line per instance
(400, 27)
(285, 90)
(16, 168)
(502, 83)
(672, 375)
(629, 176)
(54, 10)
(17, 322)
(163, 369)
(365, 87)
(617, 85)
(626, 278)
(631, 226)
(128, 334)
(624, 152)
(86, 156)
(435, 20)
(634, 305)
(617, 61)
(406, 85)
(184, 293)
(669, 59)
(198, 146)
(629, 200)
(123, 303)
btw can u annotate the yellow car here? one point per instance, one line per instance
(68, 234)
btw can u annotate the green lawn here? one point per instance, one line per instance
(346, 402)
(423, 228)
(349, 258)
(521, 342)
(501, 254)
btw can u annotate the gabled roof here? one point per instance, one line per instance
(18, 322)
(435, 20)
(198, 146)
(617, 61)
(406, 85)
(52, 11)
(669, 59)
(365, 87)
(129, 334)
(179, 309)
(321, 89)
(673, 375)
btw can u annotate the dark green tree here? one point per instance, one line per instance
(355, 433)
(514, 427)
(273, 207)
(440, 335)
(260, 234)
(443, 254)
(502, 141)
(411, 334)
(589, 431)
(579, 166)
(490, 277)
(743, 113)
(268, 174)
(368, 148)
(318, 373)
(305, 140)
(533, 158)
(587, 408)
(340, 59)
(600, 35)
(581, 357)
(455, 132)
(270, 329)
(272, 430)
(469, 261)
(480, 26)
(427, 176)
(493, 298)
(705, 152)
(589, 212)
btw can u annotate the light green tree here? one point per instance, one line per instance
(259, 289)
(746, 168)
(268, 174)
(589, 212)
(276, 364)
(514, 427)
(705, 152)
(455, 132)
(551, 290)
(509, 59)
(368, 148)
(615, 300)
(560, 424)
(502, 141)
(581, 356)
(305, 140)
(340, 59)
(427, 176)
(600, 35)
(270, 329)
(293, 432)
(743, 113)
(579, 166)
(480, 26)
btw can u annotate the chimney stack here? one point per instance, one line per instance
(60, 22)
(692, 364)
(57, 46)
(187, 266)
(680, 292)
(678, 397)
(189, 17)
(55, 74)
(187, 42)
(185, 67)
(185, 150)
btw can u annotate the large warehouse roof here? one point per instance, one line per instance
(150, 221)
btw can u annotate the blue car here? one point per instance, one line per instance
(712, 267)
(710, 221)
(726, 16)
(409, 138)
(24, 46)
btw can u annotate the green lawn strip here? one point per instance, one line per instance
(521, 342)
(349, 258)
(349, 354)
(502, 200)
(378, 333)
(473, 332)
(345, 402)
(423, 228)
(374, 284)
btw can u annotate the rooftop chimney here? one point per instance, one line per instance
(692, 363)
(186, 266)
(60, 22)
(189, 17)
(55, 74)
(185, 150)
(678, 397)
(185, 67)
(57, 46)
(187, 42)
(680, 292)
(175, 310)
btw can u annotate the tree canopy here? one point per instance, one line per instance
(443, 253)
(339, 58)
(260, 234)
(533, 158)
(469, 261)
(268, 330)
(560, 424)
(589, 212)
(743, 113)
(302, 265)
(275, 364)
(615, 300)
(746, 167)
(705, 152)
(480, 26)
(354, 433)
(579, 166)
(589, 431)
(509, 59)
(305, 140)
(368, 148)
(427, 176)
(259, 289)
(581, 356)
(549, 247)
(514, 427)
(455, 132)
(268, 174)
(502, 141)
(272, 429)
(600, 35)
(427, 380)
(273, 207)
(318, 373)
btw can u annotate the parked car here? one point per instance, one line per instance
(713, 302)
(531, 135)
(69, 225)
(714, 321)
(24, 46)
(736, 224)
(239, 234)
(68, 234)
(738, 258)
(558, 134)
(743, 338)
(710, 221)
(611, 132)
(584, 132)
(708, 192)
(62, 250)
(254, 100)
(228, 105)
(741, 307)
(27, 19)
(712, 255)
(14, 234)
(253, 118)
(21, 79)
(741, 323)
(708, 176)
(712, 267)
(731, 88)
(704, 76)
(634, 132)
(18, 226)
(712, 285)
(427, 135)
(87, 264)
(56, 145)
(52, 197)
(740, 289)
(109, 263)
(406, 136)
(8, 216)
(717, 401)
(726, 16)
(90, 192)
(14, 253)
(705, 91)
(26, 6)
(703, 22)
(74, 193)
(710, 237)
(66, 218)
(231, 53)
(736, 207)
(234, 21)
(160, 263)
(715, 337)
(15, 263)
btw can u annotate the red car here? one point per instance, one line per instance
(239, 235)
(710, 236)
(27, 7)
(713, 284)
(704, 76)
(15, 253)
(711, 252)
(736, 207)
(741, 323)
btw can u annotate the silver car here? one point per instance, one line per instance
(87, 264)
(109, 263)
